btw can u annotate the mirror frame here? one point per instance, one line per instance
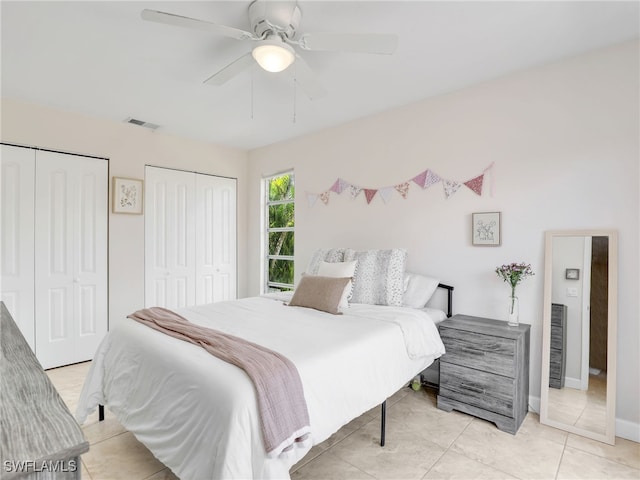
(612, 314)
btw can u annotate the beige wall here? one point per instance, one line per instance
(129, 148)
(564, 139)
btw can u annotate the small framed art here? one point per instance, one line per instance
(127, 195)
(572, 274)
(485, 228)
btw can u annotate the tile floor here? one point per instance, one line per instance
(422, 443)
(583, 408)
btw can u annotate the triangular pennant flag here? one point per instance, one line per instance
(403, 189)
(370, 193)
(355, 191)
(324, 196)
(420, 178)
(385, 194)
(312, 198)
(450, 187)
(339, 186)
(475, 184)
(430, 179)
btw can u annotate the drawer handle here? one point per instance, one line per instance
(473, 350)
(473, 388)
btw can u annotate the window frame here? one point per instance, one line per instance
(267, 257)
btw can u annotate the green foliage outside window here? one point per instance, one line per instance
(281, 215)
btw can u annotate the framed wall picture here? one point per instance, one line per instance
(127, 195)
(572, 274)
(485, 227)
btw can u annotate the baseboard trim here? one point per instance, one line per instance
(534, 404)
(572, 383)
(628, 430)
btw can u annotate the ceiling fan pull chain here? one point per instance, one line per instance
(295, 84)
(252, 70)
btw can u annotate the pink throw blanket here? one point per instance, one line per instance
(283, 410)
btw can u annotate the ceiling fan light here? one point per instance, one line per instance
(273, 55)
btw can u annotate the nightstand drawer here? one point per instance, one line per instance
(557, 338)
(482, 352)
(555, 371)
(490, 392)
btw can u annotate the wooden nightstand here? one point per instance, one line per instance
(485, 371)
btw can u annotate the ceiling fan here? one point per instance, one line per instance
(274, 31)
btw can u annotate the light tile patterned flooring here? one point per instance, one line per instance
(583, 408)
(422, 443)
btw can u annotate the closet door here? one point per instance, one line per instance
(70, 257)
(17, 236)
(169, 238)
(215, 239)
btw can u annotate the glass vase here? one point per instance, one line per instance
(513, 311)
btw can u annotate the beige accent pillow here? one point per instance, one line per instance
(320, 293)
(340, 270)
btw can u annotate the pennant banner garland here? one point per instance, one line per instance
(475, 184)
(450, 187)
(385, 193)
(324, 196)
(312, 198)
(403, 189)
(424, 180)
(339, 186)
(370, 193)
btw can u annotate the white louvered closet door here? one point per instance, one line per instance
(70, 257)
(169, 238)
(17, 235)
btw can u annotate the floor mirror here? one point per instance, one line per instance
(579, 333)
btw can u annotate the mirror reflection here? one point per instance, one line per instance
(576, 335)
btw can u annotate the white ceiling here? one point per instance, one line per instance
(103, 60)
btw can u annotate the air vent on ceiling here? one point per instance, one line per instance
(142, 123)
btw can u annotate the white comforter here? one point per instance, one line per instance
(198, 414)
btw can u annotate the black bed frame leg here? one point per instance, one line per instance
(100, 413)
(382, 424)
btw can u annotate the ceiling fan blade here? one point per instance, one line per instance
(231, 70)
(180, 21)
(381, 43)
(307, 80)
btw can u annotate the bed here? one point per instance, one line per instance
(198, 414)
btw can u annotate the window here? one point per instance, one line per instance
(280, 232)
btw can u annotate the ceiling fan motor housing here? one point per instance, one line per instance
(268, 17)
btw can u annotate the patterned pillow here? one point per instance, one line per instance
(379, 277)
(331, 255)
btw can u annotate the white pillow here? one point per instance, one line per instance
(436, 315)
(339, 270)
(379, 277)
(328, 255)
(418, 290)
